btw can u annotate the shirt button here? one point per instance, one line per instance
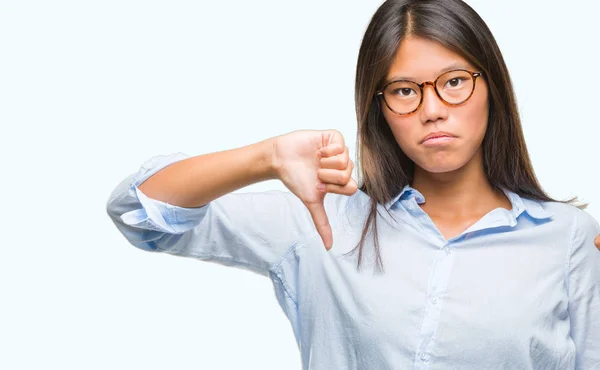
(434, 300)
(423, 356)
(447, 250)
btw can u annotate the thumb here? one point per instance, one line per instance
(319, 217)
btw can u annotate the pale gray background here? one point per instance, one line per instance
(89, 90)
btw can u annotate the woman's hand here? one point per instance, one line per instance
(305, 159)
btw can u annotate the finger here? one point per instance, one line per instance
(319, 217)
(350, 188)
(597, 242)
(349, 169)
(337, 177)
(338, 162)
(333, 137)
(331, 150)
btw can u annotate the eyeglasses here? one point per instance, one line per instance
(404, 97)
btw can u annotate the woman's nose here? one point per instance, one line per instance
(433, 108)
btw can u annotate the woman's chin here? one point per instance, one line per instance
(442, 162)
(441, 167)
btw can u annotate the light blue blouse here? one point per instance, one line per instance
(519, 289)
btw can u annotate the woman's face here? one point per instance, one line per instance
(422, 60)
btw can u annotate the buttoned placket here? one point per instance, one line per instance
(442, 266)
(438, 282)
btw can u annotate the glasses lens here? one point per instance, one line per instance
(402, 96)
(455, 86)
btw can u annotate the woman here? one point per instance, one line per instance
(482, 268)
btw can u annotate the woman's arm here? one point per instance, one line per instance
(195, 181)
(251, 230)
(186, 206)
(583, 287)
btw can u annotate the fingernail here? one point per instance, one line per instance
(321, 186)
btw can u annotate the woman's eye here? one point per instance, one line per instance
(403, 92)
(455, 82)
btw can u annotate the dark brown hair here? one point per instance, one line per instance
(383, 168)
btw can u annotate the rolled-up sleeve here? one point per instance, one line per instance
(251, 230)
(584, 291)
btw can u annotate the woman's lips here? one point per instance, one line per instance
(438, 141)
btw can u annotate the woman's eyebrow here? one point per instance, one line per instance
(446, 69)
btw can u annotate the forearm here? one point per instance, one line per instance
(198, 180)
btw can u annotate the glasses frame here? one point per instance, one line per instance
(474, 75)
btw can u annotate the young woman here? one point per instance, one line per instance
(448, 255)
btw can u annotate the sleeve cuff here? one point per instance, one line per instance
(154, 214)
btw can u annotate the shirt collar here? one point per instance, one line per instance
(407, 192)
(519, 204)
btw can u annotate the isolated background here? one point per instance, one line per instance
(89, 90)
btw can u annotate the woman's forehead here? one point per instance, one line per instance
(420, 59)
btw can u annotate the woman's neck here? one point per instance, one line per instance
(465, 192)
